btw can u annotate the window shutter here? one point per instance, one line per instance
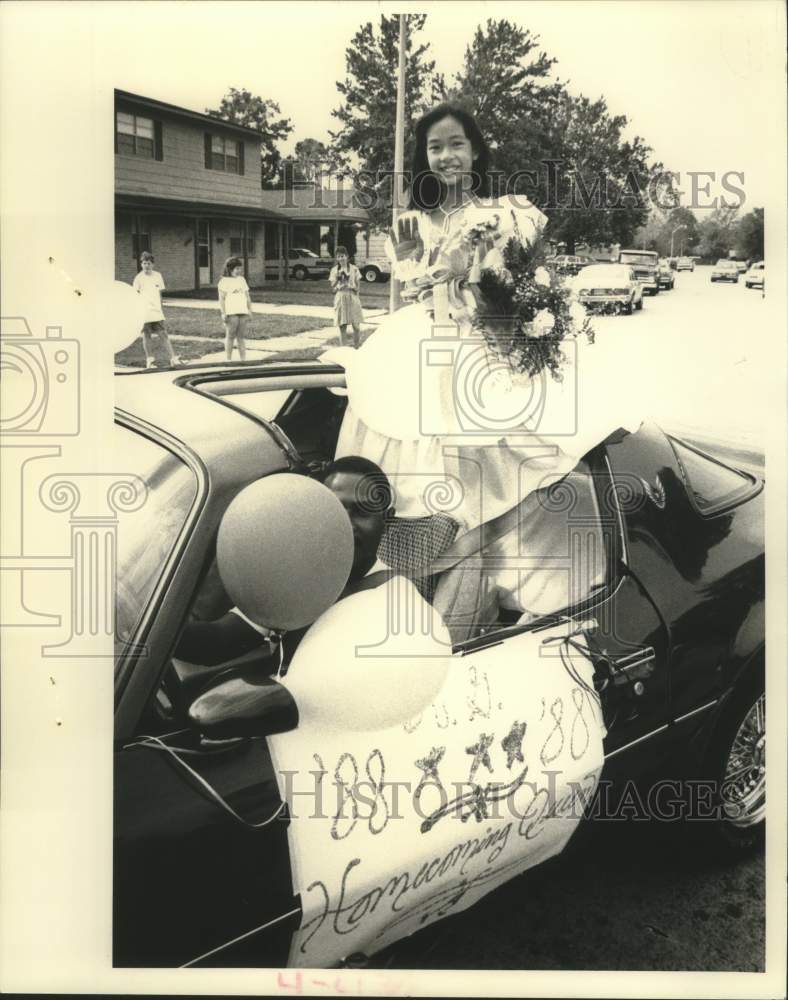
(241, 145)
(158, 148)
(207, 151)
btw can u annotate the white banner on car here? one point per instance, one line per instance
(392, 829)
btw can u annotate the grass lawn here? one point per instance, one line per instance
(208, 323)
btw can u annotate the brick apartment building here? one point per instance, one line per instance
(187, 187)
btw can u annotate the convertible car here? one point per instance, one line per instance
(204, 852)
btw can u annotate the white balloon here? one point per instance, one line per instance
(120, 313)
(355, 670)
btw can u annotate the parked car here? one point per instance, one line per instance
(665, 274)
(569, 264)
(302, 264)
(203, 869)
(725, 270)
(609, 288)
(742, 265)
(685, 264)
(645, 265)
(756, 276)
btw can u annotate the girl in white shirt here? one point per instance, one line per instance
(235, 304)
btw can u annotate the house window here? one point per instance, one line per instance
(236, 241)
(224, 154)
(135, 136)
(140, 238)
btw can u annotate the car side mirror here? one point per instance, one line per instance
(244, 704)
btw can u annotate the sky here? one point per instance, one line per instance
(692, 76)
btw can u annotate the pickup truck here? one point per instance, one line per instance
(645, 264)
(374, 268)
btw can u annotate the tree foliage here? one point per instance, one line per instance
(718, 233)
(312, 159)
(569, 154)
(680, 223)
(364, 144)
(244, 108)
(749, 236)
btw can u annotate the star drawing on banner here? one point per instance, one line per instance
(480, 755)
(429, 765)
(512, 743)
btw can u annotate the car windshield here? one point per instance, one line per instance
(305, 253)
(147, 535)
(604, 274)
(630, 257)
(726, 263)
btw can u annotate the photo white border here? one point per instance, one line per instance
(56, 179)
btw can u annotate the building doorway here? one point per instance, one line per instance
(203, 253)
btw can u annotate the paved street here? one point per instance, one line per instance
(704, 358)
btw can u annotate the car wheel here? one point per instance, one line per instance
(370, 274)
(737, 763)
(299, 273)
(639, 303)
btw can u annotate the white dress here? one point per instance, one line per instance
(453, 430)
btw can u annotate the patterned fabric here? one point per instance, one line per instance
(411, 543)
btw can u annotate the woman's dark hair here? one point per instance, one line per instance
(426, 190)
(230, 264)
(340, 250)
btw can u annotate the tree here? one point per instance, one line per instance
(501, 76)
(244, 108)
(364, 145)
(718, 233)
(749, 236)
(567, 154)
(313, 159)
(598, 188)
(657, 231)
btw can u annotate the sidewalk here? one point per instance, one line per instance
(322, 337)
(371, 316)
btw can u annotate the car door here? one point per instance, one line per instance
(395, 826)
(201, 866)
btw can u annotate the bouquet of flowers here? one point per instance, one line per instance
(522, 311)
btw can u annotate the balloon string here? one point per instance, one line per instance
(154, 743)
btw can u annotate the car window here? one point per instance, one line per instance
(554, 558)
(636, 258)
(147, 536)
(711, 484)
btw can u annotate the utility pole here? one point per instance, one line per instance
(398, 186)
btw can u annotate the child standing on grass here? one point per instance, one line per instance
(345, 279)
(235, 304)
(150, 284)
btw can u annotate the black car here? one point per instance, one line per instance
(203, 858)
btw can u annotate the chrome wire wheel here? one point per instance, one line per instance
(744, 778)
